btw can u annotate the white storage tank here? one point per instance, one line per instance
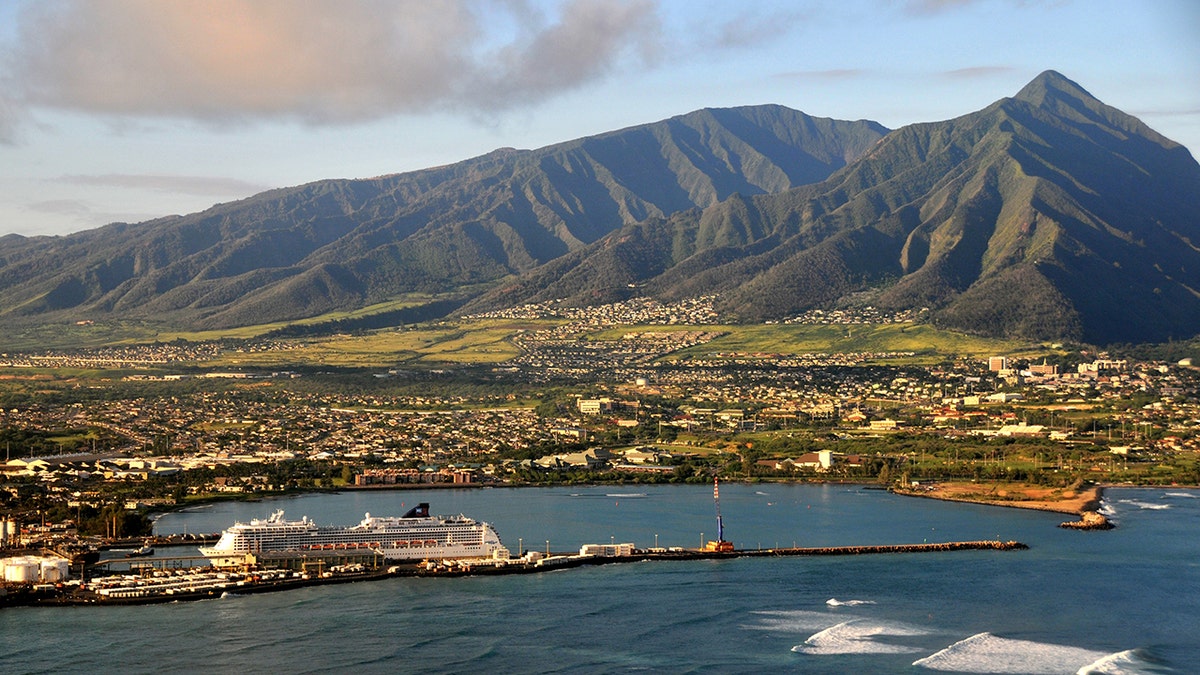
(21, 570)
(55, 570)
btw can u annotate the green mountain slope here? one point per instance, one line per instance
(1045, 215)
(301, 251)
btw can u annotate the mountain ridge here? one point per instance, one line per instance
(1046, 215)
(299, 251)
(1036, 216)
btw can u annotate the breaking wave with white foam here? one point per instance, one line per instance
(792, 621)
(1128, 662)
(834, 602)
(987, 653)
(860, 636)
(1145, 505)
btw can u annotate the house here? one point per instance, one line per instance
(592, 458)
(26, 467)
(816, 461)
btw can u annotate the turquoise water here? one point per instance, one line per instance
(1124, 601)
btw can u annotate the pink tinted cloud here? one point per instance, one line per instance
(315, 60)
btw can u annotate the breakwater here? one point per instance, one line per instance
(563, 560)
(991, 545)
(200, 585)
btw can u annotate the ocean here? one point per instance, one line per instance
(1122, 601)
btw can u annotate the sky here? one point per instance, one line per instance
(127, 110)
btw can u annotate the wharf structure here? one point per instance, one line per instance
(155, 581)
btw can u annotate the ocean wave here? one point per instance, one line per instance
(1128, 662)
(792, 621)
(608, 495)
(834, 602)
(1184, 495)
(987, 653)
(1145, 505)
(858, 636)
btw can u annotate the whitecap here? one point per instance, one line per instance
(1128, 662)
(858, 636)
(1145, 505)
(1185, 495)
(759, 492)
(834, 602)
(626, 494)
(792, 621)
(987, 653)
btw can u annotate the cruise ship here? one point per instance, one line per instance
(414, 536)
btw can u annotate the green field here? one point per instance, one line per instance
(924, 341)
(489, 341)
(85, 335)
(485, 341)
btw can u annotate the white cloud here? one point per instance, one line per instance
(975, 72)
(751, 28)
(319, 61)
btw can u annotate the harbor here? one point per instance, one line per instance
(165, 579)
(276, 554)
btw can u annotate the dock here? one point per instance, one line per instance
(565, 560)
(164, 582)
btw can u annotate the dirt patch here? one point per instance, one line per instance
(1019, 495)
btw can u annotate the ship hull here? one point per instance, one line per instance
(415, 536)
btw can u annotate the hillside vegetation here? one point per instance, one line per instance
(1047, 215)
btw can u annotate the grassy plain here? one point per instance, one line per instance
(926, 342)
(484, 341)
(490, 341)
(83, 335)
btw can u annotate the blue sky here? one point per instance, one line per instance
(125, 110)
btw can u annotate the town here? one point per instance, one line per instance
(626, 393)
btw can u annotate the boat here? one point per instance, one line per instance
(142, 552)
(395, 538)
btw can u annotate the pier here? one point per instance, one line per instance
(565, 560)
(165, 580)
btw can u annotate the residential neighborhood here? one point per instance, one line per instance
(628, 409)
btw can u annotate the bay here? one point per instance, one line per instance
(1127, 600)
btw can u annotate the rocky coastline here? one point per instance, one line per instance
(1089, 520)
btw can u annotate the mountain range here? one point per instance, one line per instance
(1047, 215)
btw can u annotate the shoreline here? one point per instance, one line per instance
(1085, 503)
(1088, 501)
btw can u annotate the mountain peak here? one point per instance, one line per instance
(1054, 93)
(1049, 85)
